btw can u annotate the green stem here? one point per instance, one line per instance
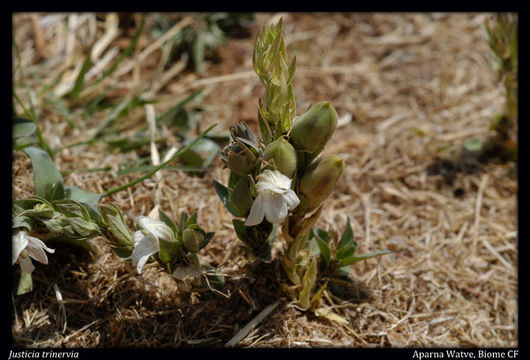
(161, 166)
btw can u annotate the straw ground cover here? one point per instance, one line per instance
(408, 89)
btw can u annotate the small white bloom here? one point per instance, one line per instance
(146, 240)
(34, 249)
(275, 198)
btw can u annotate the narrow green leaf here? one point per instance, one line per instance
(43, 143)
(354, 259)
(192, 220)
(47, 179)
(347, 236)
(325, 252)
(159, 167)
(172, 112)
(167, 220)
(145, 168)
(80, 80)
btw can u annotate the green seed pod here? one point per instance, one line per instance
(313, 129)
(282, 153)
(191, 239)
(240, 197)
(318, 181)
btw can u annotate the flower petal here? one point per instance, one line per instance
(26, 265)
(20, 241)
(256, 212)
(266, 186)
(38, 242)
(276, 179)
(143, 249)
(158, 228)
(37, 253)
(291, 199)
(275, 207)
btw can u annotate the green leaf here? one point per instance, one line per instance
(347, 246)
(353, 259)
(168, 221)
(325, 252)
(81, 77)
(25, 284)
(257, 239)
(201, 154)
(207, 238)
(145, 168)
(47, 179)
(192, 220)
(347, 236)
(74, 193)
(222, 192)
(182, 221)
(23, 127)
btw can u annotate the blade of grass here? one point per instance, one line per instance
(79, 82)
(161, 166)
(31, 116)
(126, 53)
(177, 108)
(152, 167)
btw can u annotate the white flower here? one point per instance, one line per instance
(275, 198)
(34, 249)
(146, 240)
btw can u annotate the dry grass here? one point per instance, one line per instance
(404, 85)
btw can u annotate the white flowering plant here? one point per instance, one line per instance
(280, 179)
(58, 214)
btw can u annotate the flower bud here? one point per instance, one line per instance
(318, 181)
(240, 197)
(240, 159)
(191, 239)
(313, 129)
(282, 156)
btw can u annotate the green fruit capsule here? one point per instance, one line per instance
(313, 129)
(240, 197)
(318, 180)
(281, 156)
(191, 240)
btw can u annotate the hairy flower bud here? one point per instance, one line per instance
(191, 239)
(240, 197)
(282, 157)
(318, 181)
(313, 129)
